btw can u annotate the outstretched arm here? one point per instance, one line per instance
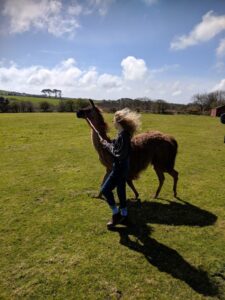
(120, 147)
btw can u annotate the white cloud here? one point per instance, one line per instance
(220, 51)
(219, 86)
(150, 2)
(33, 78)
(219, 66)
(177, 93)
(102, 6)
(133, 68)
(75, 9)
(175, 85)
(209, 27)
(165, 68)
(168, 89)
(25, 15)
(39, 77)
(57, 17)
(77, 82)
(108, 81)
(66, 64)
(89, 78)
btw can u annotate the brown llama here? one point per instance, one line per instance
(152, 147)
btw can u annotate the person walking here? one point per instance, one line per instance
(126, 122)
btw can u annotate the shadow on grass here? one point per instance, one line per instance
(166, 259)
(173, 213)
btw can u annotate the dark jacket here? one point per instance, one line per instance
(120, 147)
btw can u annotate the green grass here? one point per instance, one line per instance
(53, 238)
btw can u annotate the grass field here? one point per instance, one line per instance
(53, 238)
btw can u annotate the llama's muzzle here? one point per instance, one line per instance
(80, 114)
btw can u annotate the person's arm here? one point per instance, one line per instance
(120, 147)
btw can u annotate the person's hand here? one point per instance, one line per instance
(101, 139)
(103, 142)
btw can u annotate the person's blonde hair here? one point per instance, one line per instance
(129, 120)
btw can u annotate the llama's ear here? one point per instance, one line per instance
(92, 103)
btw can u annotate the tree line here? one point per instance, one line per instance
(206, 101)
(201, 104)
(142, 105)
(16, 106)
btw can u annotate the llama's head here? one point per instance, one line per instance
(93, 113)
(89, 112)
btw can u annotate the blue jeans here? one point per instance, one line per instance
(116, 179)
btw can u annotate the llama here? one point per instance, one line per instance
(152, 147)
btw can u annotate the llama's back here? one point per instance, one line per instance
(152, 147)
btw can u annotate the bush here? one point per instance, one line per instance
(26, 106)
(61, 107)
(45, 106)
(15, 107)
(4, 104)
(71, 105)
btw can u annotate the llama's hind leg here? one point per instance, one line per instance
(161, 178)
(174, 174)
(131, 185)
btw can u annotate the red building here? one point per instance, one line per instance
(217, 111)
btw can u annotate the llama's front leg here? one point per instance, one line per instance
(131, 185)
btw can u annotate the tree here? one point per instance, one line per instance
(201, 100)
(15, 107)
(44, 91)
(60, 93)
(160, 106)
(4, 104)
(26, 106)
(48, 92)
(207, 101)
(55, 91)
(45, 106)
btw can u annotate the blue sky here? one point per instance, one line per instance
(108, 49)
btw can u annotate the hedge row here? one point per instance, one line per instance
(12, 106)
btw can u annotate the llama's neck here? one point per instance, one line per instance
(96, 141)
(104, 155)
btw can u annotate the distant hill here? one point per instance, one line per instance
(13, 93)
(35, 99)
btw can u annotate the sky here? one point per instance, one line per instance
(111, 49)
